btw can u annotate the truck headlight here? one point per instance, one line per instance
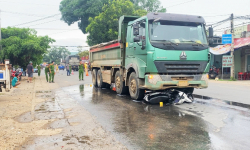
(153, 79)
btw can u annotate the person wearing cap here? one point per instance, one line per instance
(52, 72)
(30, 72)
(81, 71)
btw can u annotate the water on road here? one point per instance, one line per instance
(205, 124)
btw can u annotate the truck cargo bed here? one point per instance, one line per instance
(106, 54)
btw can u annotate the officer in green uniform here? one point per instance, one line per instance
(52, 72)
(39, 70)
(70, 69)
(81, 71)
(46, 72)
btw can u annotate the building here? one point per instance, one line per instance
(241, 56)
(240, 32)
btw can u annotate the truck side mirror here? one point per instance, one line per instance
(137, 39)
(136, 29)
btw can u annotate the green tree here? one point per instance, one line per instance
(149, 5)
(56, 54)
(21, 45)
(80, 10)
(104, 27)
(83, 53)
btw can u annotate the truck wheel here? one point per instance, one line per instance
(94, 75)
(120, 84)
(134, 91)
(100, 82)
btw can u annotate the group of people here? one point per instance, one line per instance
(50, 72)
(82, 66)
(15, 82)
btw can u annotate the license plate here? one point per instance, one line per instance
(183, 83)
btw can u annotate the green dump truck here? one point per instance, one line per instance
(156, 52)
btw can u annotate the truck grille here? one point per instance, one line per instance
(180, 67)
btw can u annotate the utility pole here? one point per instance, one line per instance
(232, 45)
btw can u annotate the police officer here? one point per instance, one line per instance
(81, 71)
(70, 69)
(39, 70)
(52, 72)
(46, 72)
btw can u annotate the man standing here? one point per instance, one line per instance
(39, 70)
(52, 72)
(46, 72)
(30, 72)
(67, 68)
(81, 71)
(70, 69)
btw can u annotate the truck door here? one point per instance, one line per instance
(138, 47)
(130, 43)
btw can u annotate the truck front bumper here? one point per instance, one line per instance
(161, 82)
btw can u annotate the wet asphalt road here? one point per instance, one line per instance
(204, 124)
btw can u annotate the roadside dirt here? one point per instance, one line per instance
(39, 116)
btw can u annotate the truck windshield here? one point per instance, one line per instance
(177, 32)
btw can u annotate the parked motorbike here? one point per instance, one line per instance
(213, 72)
(18, 73)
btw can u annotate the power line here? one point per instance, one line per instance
(221, 29)
(180, 4)
(52, 29)
(17, 13)
(37, 20)
(61, 32)
(217, 15)
(67, 46)
(27, 3)
(45, 22)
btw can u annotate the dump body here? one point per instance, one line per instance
(163, 50)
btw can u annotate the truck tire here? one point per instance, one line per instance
(100, 82)
(134, 91)
(120, 84)
(94, 75)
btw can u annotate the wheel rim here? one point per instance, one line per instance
(132, 86)
(118, 82)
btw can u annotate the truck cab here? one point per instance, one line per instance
(156, 52)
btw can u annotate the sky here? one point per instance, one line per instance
(18, 12)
